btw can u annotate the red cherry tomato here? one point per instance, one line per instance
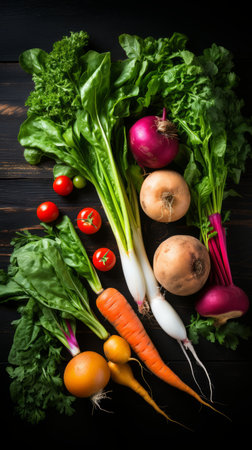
(104, 259)
(47, 212)
(63, 185)
(89, 220)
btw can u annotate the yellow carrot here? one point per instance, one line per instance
(122, 374)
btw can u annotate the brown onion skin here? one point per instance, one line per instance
(165, 196)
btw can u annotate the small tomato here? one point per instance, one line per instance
(63, 185)
(47, 212)
(104, 259)
(89, 220)
(79, 182)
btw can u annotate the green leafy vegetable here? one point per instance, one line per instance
(227, 335)
(35, 360)
(73, 251)
(38, 270)
(42, 277)
(55, 77)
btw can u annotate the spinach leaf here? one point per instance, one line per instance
(38, 270)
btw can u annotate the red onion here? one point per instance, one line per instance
(153, 141)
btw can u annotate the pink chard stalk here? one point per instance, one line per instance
(69, 339)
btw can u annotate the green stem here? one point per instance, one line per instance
(119, 187)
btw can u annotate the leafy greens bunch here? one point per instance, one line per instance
(54, 75)
(44, 276)
(34, 361)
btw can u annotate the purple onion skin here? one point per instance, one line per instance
(150, 147)
(218, 300)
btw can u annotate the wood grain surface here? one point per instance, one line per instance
(126, 419)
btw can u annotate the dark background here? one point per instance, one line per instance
(130, 421)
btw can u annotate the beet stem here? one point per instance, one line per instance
(215, 220)
(214, 253)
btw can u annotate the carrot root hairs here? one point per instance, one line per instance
(122, 374)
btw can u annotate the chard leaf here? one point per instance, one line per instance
(192, 174)
(74, 253)
(132, 45)
(94, 81)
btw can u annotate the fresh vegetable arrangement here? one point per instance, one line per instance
(104, 122)
(91, 138)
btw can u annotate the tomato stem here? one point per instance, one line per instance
(104, 258)
(89, 220)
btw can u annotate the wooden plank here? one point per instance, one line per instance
(15, 86)
(25, 24)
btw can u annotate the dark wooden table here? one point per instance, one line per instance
(27, 24)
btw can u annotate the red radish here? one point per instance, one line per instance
(153, 141)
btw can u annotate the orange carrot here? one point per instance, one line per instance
(122, 374)
(115, 308)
